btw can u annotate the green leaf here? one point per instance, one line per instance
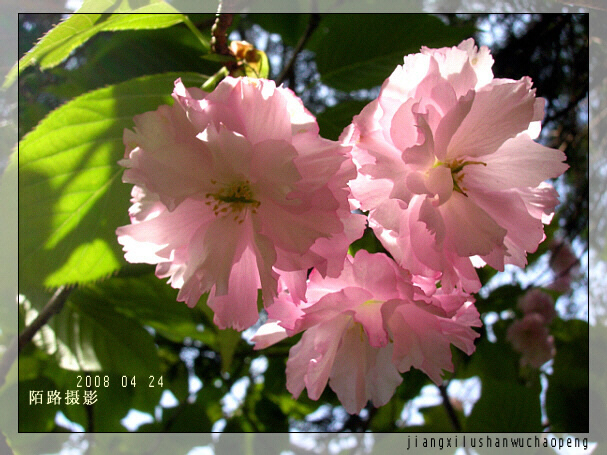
(36, 417)
(572, 355)
(502, 298)
(518, 405)
(334, 119)
(386, 416)
(71, 198)
(359, 51)
(74, 31)
(114, 402)
(269, 416)
(493, 360)
(436, 420)
(568, 393)
(187, 418)
(290, 27)
(89, 335)
(124, 6)
(228, 341)
(112, 58)
(368, 242)
(153, 303)
(257, 65)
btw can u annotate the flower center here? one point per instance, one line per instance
(457, 175)
(233, 199)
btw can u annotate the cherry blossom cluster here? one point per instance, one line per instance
(237, 195)
(530, 336)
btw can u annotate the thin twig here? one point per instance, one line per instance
(449, 408)
(54, 306)
(219, 38)
(573, 102)
(312, 24)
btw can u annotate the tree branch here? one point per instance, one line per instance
(312, 24)
(219, 40)
(54, 306)
(449, 408)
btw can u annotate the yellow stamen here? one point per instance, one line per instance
(233, 199)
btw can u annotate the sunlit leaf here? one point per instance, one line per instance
(118, 57)
(257, 64)
(74, 31)
(124, 6)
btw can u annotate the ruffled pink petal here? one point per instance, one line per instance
(272, 162)
(540, 201)
(346, 301)
(469, 230)
(369, 192)
(234, 309)
(348, 377)
(311, 359)
(155, 238)
(518, 163)
(481, 61)
(450, 123)
(422, 339)
(366, 374)
(369, 316)
(382, 376)
(508, 209)
(232, 188)
(498, 113)
(295, 283)
(159, 136)
(303, 229)
(440, 182)
(263, 120)
(418, 342)
(268, 334)
(403, 126)
(459, 326)
(217, 258)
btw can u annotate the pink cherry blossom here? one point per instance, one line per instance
(530, 337)
(448, 168)
(365, 327)
(564, 264)
(232, 188)
(537, 301)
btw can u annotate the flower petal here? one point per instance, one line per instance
(499, 112)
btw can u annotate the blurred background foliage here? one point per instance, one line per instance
(120, 322)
